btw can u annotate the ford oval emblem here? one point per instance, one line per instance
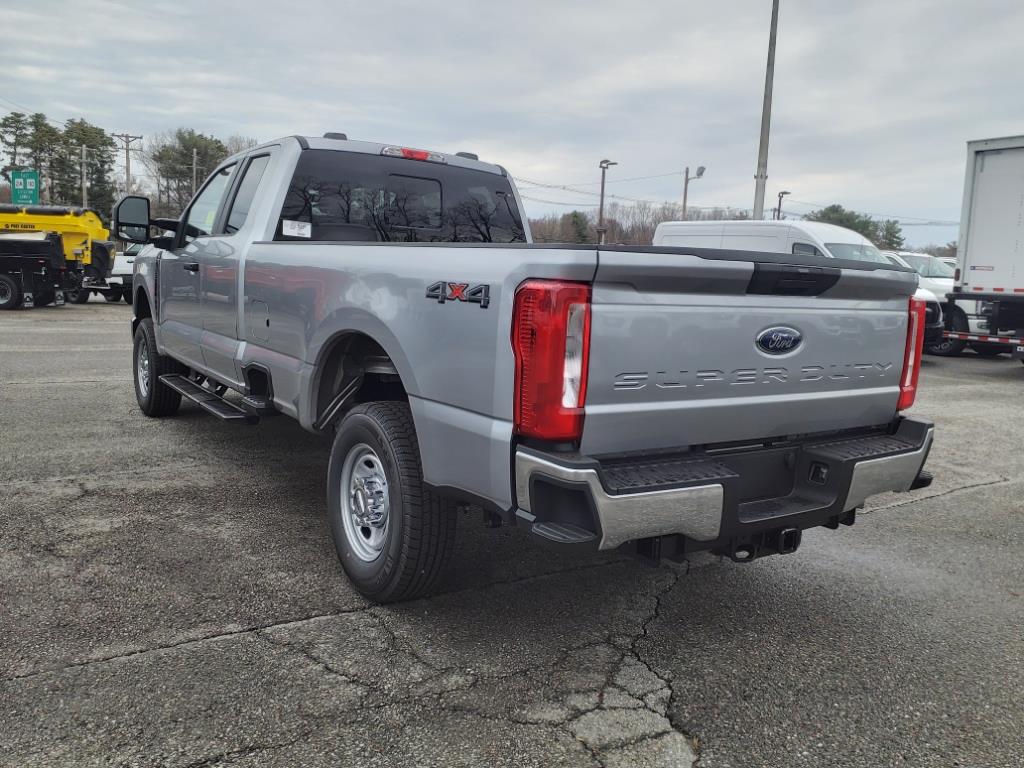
(779, 340)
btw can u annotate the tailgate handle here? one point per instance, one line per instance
(791, 280)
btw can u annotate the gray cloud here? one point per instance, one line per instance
(873, 100)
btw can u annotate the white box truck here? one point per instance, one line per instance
(991, 250)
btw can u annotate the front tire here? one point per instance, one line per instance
(392, 534)
(154, 397)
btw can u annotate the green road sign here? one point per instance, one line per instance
(25, 187)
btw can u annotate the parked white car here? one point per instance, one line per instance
(120, 279)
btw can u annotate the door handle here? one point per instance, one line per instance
(190, 266)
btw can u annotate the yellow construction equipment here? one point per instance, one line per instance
(87, 249)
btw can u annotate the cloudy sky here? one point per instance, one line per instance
(874, 100)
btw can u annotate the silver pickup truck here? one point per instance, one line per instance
(657, 400)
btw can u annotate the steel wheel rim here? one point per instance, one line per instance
(142, 370)
(365, 502)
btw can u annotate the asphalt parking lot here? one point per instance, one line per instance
(169, 596)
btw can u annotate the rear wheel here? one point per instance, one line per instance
(113, 296)
(127, 295)
(951, 347)
(44, 298)
(155, 398)
(10, 293)
(392, 534)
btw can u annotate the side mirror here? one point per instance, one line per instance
(130, 220)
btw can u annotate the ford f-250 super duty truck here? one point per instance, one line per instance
(661, 400)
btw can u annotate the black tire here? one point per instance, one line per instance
(419, 532)
(43, 298)
(112, 296)
(155, 398)
(77, 295)
(951, 347)
(991, 349)
(126, 294)
(10, 293)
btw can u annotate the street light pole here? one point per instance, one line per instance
(686, 184)
(604, 165)
(778, 211)
(761, 177)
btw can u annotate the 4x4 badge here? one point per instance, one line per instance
(444, 291)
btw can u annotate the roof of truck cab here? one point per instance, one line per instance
(375, 148)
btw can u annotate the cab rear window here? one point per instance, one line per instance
(350, 196)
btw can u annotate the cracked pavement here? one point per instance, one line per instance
(169, 596)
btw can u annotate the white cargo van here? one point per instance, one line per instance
(801, 237)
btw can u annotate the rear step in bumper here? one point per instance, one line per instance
(705, 501)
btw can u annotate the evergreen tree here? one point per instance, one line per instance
(170, 157)
(890, 236)
(99, 166)
(14, 131)
(858, 222)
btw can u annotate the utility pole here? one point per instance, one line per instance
(127, 138)
(778, 211)
(85, 193)
(686, 184)
(194, 156)
(761, 177)
(604, 165)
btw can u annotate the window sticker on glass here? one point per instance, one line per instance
(291, 228)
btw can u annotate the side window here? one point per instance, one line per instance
(203, 212)
(246, 192)
(806, 249)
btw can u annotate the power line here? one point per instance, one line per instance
(594, 183)
(918, 219)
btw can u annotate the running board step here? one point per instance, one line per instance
(208, 401)
(563, 533)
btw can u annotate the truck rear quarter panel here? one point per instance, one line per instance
(454, 357)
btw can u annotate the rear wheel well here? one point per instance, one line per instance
(355, 369)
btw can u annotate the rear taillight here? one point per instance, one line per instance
(912, 355)
(551, 342)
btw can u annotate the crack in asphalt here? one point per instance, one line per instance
(928, 497)
(289, 622)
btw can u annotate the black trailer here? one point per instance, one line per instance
(33, 271)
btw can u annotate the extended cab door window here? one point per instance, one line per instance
(202, 216)
(245, 194)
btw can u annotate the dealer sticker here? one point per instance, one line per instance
(291, 228)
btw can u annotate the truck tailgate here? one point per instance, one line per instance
(675, 359)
